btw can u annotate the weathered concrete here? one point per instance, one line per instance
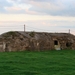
(36, 41)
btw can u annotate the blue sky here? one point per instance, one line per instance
(37, 15)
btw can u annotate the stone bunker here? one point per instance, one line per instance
(36, 41)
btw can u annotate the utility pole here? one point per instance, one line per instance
(24, 27)
(69, 31)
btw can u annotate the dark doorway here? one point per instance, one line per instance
(68, 44)
(55, 42)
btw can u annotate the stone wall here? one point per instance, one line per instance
(20, 41)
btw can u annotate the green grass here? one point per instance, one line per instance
(38, 63)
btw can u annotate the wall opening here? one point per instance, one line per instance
(57, 45)
(68, 44)
(55, 42)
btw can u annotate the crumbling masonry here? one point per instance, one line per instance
(36, 41)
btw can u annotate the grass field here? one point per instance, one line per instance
(38, 63)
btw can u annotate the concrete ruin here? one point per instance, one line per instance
(36, 41)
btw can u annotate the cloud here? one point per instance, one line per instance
(48, 7)
(39, 15)
(53, 7)
(56, 8)
(4, 3)
(13, 8)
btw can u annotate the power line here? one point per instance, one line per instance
(44, 29)
(29, 27)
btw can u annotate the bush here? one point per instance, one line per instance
(32, 34)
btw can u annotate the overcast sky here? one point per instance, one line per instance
(37, 15)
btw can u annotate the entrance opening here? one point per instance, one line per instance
(56, 45)
(68, 44)
(55, 42)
